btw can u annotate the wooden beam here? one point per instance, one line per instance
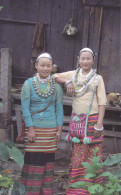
(100, 3)
(18, 21)
(6, 69)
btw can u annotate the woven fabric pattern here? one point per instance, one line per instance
(81, 153)
(38, 179)
(45, 140)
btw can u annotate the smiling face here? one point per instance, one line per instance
(44, 67)
(86, 61)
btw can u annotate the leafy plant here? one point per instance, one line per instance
(9, 153)
(113, 184)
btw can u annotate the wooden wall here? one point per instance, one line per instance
(98, 24)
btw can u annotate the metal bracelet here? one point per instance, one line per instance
(98, 129)
(68, 82)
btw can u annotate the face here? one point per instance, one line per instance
(86, 61)
(44, 67)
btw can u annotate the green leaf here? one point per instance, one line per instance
(79, 184)
(116, 172)
(17, 156)
(109, 191)
(96, 159)
(119, 188)
(86, 164)
(89, 167)
(4, 154)
(111, 160)
(89, 175)
(5, 182)
(22, 190)
(105, 174)
(95, 189)
(9, 143)
(97, 167)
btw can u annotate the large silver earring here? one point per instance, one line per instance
(78, 65)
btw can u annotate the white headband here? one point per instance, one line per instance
(44, 55)
(87, 49)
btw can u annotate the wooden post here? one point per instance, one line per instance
(6, 69)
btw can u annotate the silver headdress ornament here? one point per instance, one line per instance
(87, 49)
(44, 55)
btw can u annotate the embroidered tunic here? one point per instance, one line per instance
(32, 102)
(80, 105)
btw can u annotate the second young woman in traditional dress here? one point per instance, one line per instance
(88, 108)
(42, 108)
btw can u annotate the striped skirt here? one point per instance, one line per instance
(38, 169)
(81, 153)
(45, 140)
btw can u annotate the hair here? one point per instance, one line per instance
(86, 49)
(45, 55)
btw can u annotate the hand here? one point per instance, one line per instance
(70, 89)
(98, 133)
(58, 135)
(31, 136)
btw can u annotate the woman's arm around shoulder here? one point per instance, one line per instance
(66, 79)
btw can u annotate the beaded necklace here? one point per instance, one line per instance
(42, 80)
(81, 87)
(49, 89)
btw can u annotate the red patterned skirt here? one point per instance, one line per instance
(81, 153)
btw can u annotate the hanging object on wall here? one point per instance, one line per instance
(68, 28)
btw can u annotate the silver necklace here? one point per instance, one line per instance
(42, 80)
(81, 87)
(87, 77)
(48, 91)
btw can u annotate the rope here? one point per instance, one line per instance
(86, 139)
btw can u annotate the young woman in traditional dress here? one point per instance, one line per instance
(42, 109)
(88, 108)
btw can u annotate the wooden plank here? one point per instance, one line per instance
(115, 141)
(95, 31)
(86, 27)
(112, 134)
(0, 90)
(115, 48)
(78, 23)
(19, 10)
(58, 41)
(108, 53)
(45, 14)
(109, 3)
(67, 100)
